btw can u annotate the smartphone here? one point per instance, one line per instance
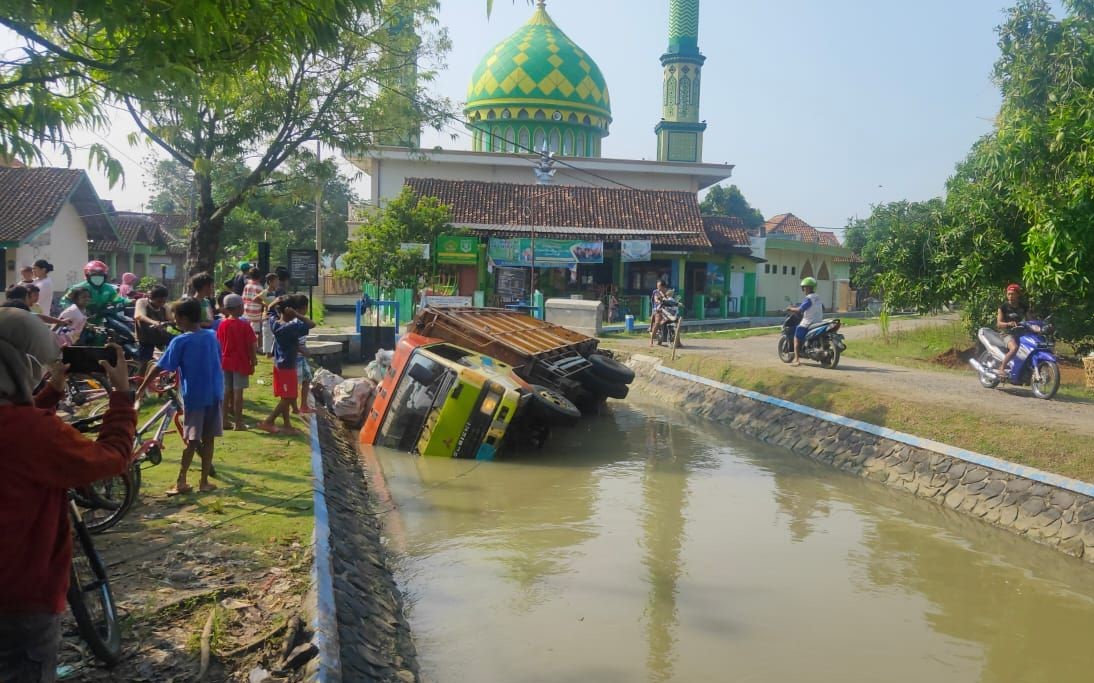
(85, 359)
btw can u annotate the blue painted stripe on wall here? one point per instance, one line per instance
(326, 624)
(1034, 474)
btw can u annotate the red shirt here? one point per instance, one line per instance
(237, 344)
(43, 458)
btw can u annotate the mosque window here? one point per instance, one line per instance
(522, 114)
(556, 142)
(568, 144)
(510, 140)
(582, 151)
(540, 116)
(498, 140)
(490, 115)
(685, 95)
(587, 121)
(572, 118)
(807, 269)
(822, 274)
(524, 140)
(540, 139)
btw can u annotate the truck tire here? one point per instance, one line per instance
(610, 369)
(602, 387)
(552, 407)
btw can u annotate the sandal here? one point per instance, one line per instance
(206, 488)
(268, 428)
(179, 490)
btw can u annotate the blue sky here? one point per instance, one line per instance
(825, 108)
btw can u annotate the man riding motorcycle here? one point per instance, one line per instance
(1010, 316)
(812, 311)
(104, 296)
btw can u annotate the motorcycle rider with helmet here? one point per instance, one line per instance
(660, 293)
(103, 294)
(1008, 319)
(812, 312)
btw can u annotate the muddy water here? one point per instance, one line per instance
(648, 547)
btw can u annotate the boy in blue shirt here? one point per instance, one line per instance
(289, 327)
(195, 356)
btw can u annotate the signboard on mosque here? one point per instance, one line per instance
(458, 250)
(634, 251)
(550, 253)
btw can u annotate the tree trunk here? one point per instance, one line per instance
(204, 249)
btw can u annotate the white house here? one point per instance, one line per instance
(51, 214)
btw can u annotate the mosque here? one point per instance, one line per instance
(592, 226)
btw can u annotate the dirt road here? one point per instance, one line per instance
(960, 390)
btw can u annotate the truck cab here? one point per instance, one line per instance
(439, 399)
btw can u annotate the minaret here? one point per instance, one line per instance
(680, 133)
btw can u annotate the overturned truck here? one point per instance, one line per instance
(539, 352)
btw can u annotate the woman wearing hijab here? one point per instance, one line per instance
(43, 458)
(128, 288)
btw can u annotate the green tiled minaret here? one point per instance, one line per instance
(680, 132)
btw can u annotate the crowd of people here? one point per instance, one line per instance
(212, 343)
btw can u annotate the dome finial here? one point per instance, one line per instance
(541, 4)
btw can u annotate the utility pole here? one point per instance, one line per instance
(318, 220)
(545, 171)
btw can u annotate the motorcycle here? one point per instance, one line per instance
(823, 342)
(669, 332)
(111, 325)
(1034, 364)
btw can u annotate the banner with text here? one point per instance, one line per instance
(634, 251)
(550, 253)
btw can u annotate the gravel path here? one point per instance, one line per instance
(959, 390)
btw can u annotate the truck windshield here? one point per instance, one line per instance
(421, 384)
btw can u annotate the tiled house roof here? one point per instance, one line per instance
(727, 232)
(666, 218)
(169, 227)
(788, 225)
(31, 198)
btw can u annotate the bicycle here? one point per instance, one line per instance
(107, 501)
(89, 596)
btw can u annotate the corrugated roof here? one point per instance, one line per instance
(667, 218)
(31, 198)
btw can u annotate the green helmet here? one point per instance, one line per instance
(809, 282)
(244, 265)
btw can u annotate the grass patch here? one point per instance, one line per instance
(914, 348)
(1039, 447)
(264, 496)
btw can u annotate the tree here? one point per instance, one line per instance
(327, 94)
(374, 251)
(281, 210)
(729, 201)
(76, 57)
(896, 244)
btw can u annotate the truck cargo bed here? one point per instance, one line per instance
(510, 336)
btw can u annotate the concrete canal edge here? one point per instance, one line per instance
(358, 619)
(1047, 508)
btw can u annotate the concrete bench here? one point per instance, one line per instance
(343, 338)
(326, 354)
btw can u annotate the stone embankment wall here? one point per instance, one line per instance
(361, 631)
(1047, 508)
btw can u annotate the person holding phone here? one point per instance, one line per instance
(44, 457)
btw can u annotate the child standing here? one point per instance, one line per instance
(268, 296)
(237, 359)
(288, 327)
(195, 355)
(74, 317)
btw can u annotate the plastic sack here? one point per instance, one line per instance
(350, 399)
(326, 379)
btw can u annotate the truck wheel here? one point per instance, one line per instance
(603, 387)
(553, 407)
(610, 369)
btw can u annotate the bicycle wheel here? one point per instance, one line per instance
(106, 501)
(90, 598)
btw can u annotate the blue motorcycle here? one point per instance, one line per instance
(823, 342)
(1035, 363)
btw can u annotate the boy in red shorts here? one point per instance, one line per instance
(237, 358)
(289, 327)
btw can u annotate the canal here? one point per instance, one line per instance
(646, 546)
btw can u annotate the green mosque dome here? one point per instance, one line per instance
(538, 87)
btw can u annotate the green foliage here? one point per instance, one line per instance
(896, 244)
(374, 253)
(322, 91)
(147, 282)
(71, 59)
(729, 201)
